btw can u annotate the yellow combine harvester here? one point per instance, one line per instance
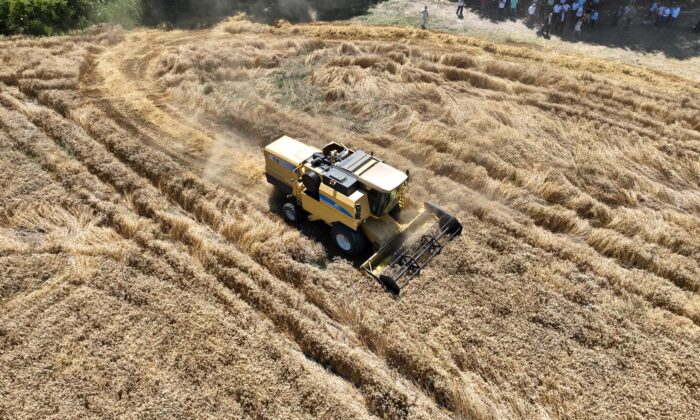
(359, 196)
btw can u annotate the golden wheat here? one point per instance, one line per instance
(136, 222)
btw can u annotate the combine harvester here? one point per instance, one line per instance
(359, 196)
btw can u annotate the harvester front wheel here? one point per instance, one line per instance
(395, 213)
(350, 242)
(292, 213)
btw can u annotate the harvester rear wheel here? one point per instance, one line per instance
(292, 212)
(350, 242)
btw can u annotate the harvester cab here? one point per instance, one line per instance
(359, 196)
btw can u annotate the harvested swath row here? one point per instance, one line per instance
(241, 282)
(681, 309)
(584, 256)
(74, 177)
(406, 362)
(607, 110)
(170, 134)
(294, 270)
(446, 146)
(597, 90)
(304, 332)
(653, 290)
(683, 272)
(53, 64)
(585, 114)
(557, 189)
(63, 227)
(409, 368)
(569, 62)
(436, 383)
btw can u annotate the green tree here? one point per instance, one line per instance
(42, 17)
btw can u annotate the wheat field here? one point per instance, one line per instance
(145, 270)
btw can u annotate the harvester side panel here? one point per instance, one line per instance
(334, 207)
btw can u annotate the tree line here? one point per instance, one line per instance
(49, 17)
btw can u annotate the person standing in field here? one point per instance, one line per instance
(618, 15)
(675, 12)
(666, 16)
(559, 24)
(546, 26)
(565, 9)
(594, 18)
(531, 12)
(556, 10)
(575, 7)
(501, 6)
(587, 16)
(652, 10)
(513, 8)
(579, 14)
(424, 15)
(659, 15)
(577, 27)
(542, 6)
(460, 9)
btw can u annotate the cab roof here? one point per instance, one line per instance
(382, 177)
(373, 172)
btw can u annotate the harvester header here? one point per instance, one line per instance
(360, 197)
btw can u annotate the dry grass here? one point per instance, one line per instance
(135, 220)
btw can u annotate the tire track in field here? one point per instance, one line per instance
(654, 291)
(399, 358)
(665, 305)
(627, 253)
(73, 176)
(231, 279)
(134, 121)
(558, 191)
(301, 332)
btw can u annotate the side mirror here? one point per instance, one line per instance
(358, 211)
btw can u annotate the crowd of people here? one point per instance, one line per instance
(558, 15)
(662, 15)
